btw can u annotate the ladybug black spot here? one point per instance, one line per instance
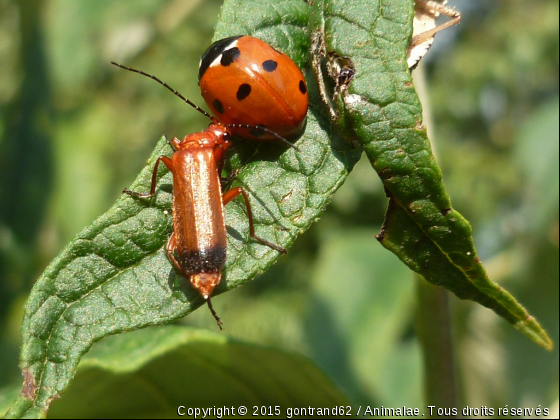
(243, 91)
(219, 106)
(269, 65)
(229, 55)
(214, 51)
(302, 87)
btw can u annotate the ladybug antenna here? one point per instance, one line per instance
(161, 82)
(218, 320)
(260, 127)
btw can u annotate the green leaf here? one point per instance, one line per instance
(115, 276)
(8, 394)
(151, 372)
(358, 286)
(381, 107)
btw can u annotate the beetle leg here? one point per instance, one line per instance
(170, 249)
(234, 192)
(167, 163)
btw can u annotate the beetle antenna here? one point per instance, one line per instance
(259, 127)
(161, 82)
(218, 320)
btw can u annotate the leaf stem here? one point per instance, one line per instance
(434, 331)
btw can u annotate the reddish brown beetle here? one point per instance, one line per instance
(199, 232)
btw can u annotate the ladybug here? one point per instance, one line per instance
(253, 88)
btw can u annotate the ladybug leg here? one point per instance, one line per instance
(226, 180)
(234, 192)
(167, 162)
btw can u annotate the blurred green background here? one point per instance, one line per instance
(75, 130)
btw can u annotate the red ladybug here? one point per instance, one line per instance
(246, 82)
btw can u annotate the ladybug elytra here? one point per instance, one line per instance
(246, 82)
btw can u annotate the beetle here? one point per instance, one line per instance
(199, 231)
